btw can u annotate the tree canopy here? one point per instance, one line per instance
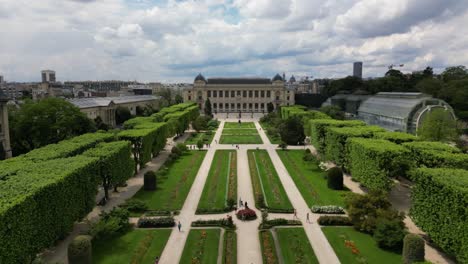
(438, 125)
(292, 131)
(51, 120)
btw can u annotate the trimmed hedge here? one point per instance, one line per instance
(413, 249)
(40, 203)
(327, 209)
(440, 208)
(436, 155)
(224, 223)
(304, 114)
(115, 163)
(334, 220)
(318, 130)
(267, 224)
(145, 222)
(335, 178)
(335, 141)
(375, 161)
(149, 181)
(396, 137)
(80, 250)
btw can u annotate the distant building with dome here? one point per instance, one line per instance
(239, 95)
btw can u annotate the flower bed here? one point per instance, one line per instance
(268, 248)
(246, 214)
(267, 224)
(225, 223)
(327, 209)
(155, 222)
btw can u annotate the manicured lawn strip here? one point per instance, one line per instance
(194, 137)
(172, 189)
(236, 125)
(369, 252)
(295, 246)
(136, 246)
(221, 183)
(201, 246)
(240, 131)
(268, 247)
(275, 195)
(246, 139)
(274, 139)
(230, 247)
(310, 179)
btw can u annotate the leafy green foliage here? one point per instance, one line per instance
(201, 123)
(39, 202)
(375, 161)
(318, 128)
(80, 250)
(333, 111)
(292, 131)
(199, 144)
(389, 234)
(51, 120)
(334, 220)
(396, 137)
(438, 125)
(208, 107)
(110, 224)
(439, 207)
(135, 206)
(149, 181)
(336, 137)
(144, 222)
(335, 178)
(413, 249)
(436, 154)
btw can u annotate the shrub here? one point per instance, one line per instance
(389, 234)
(396, 137)
(149, 181)
(318, 129)
(333, 220)
(308, 156)
(176, 150)
(267, 224)
(375, 161)
(199, 144)
(335, 178)
(230, 203)
(413, 249)
(246, 214)
(79, 250)
(328, 209)
(439, 207)
(225, 223)
(260, 201)
(145, 222)
(283, 146)
(111, 224)
(135, 205)
(182, 147)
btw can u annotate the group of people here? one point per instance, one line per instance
(243, 204)
(237, 146)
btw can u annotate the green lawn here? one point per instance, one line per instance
(201, 244)
(240, 131)
(221, 183)
(172, 189)
(237, 125)
(295, 246)
(245, 139)
(204, 136)
(266, 182)
(268, 247)
(309, 179)
(274, 139)
(136, 246)
(369, 252)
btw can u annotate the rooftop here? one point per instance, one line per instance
(106, 101)
(241, 80)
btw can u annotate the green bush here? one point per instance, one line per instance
(149, 181)
(335, 178)
(318, 129)
(176, 150)
(41, 201)
(334, 220)
(336, 137)
(80, 250)
(436, 155)
(110, 224)
(267, 224)
(135, 205)
(145, 222)
(389, 234)
(396, 137)
(439, 207)
(225, 223)
(327, 209)
(375, 161)
(413, 249)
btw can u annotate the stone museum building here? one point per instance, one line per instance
(239, 95)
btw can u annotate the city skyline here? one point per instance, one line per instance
(172, 41)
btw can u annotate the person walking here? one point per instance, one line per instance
(179, 226)
(240, 203)
(156, 261)
(246, 206)
(295, 214)
(308, 221)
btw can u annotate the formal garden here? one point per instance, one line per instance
(220, 191)
(240, 133)
(269, 193)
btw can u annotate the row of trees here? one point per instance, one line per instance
(451, 85)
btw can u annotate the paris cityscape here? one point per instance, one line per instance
(233, 131)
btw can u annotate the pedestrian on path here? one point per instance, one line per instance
(246, 206)
(156, 261)
(308, 217)
(240, 203)
(295, 214)
(179, 226)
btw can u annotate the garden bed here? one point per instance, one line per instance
(201, 246)
(205, 137)
(237, 125)
(295, 246)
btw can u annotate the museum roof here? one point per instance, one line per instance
(106, 101)
(241, 80)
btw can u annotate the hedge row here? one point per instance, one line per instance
(115, 163)
(301, 111)
(318, 128)
(375, 161)
(335, 141)
(396, 137)
(40, 203)
(440, 208)
(436, 155)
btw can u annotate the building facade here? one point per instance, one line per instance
(238, 95)
(357, 69)
(4, 127)
(48, 76)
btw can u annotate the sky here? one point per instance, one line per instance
(174, 40)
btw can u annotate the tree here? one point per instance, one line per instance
(51, 120)
(100, 125)
(335, 178)
(430, 86)
(413, 249)
(292, 131)
(122, 114)
(394, 73)
(270, 107)
(178, 99)
(456, 94)
(199, 144)
(333, 111)
(454, 73)
(428, 72)
(208, 107)
(389, 234)
(201, 123)
(166, 94)
(438, 125)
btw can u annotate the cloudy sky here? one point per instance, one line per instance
(173, 40)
